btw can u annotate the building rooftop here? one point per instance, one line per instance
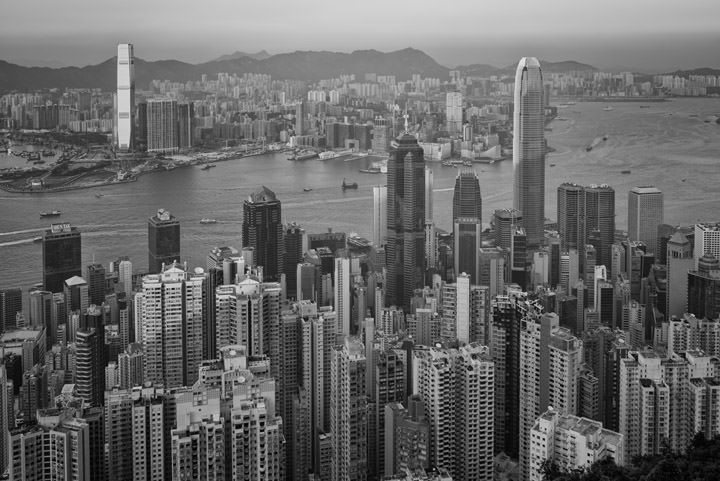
(75, 281)
(647, 189)
(263, 195)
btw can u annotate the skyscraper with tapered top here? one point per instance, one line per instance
(405, 219)
(262, 230)
(125, 97)
(529, 148)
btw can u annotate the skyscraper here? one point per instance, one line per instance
(467, 224)
(645, 214)
(405, 220)
(162, 125)
(125, 97)
(453, 111)
(163, 240)
(262, 230)
(379, 215)
(429, 181)
(62, 256)
(10, 305)
(600, 217)
(342, 295)
(707, 240)
(529, 149)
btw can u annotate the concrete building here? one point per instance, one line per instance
(645, 214)
(125, 98)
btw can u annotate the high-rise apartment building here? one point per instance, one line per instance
(295, 245)
(348, 411)
(703, 288)
(550, 362)
(163, 240)
(125, 98)
(262, 230)
(186, 113)
(407, 436)
(571, 442)
(429, 183)
(529, 148)
(169, 310)
(405, 220)
(342, 295)
(454, 112)
(679, 261)
(464, 311)
(162, 125)
(90, 357)
(198, 450)
(645, 214)
(10, 305)
(61, 256)
(457, 386)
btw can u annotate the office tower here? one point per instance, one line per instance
(645, 214)
(299, 117)
(707, 240)
(506, 221)
(123, 267)
(550, 362)
(332, 240)
(90, 357)
(571, 216)
(162, 125)
(379, 214)
(198, 450)
(457, 386)
(569, 269)
(125, 97)
(96, 283)
(454, 112)
(294, 240)
(600, 218)
(380, 135)
(429, 182)
(679, 261)
(505, 348)
(130, 366)
(703, 288)
(571, 442)
(6, 407)
(10, 305)
(170, 313)
(492, 270)
(348, 411)
(654, 403)
(467, 222)
(163, 240)
(529, 149)
(407, 436)
(141, 124)
(405, 220)
(262, 230)
(186, 113)
(61, 256)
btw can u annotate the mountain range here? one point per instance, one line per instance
(299, 65)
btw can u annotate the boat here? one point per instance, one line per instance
(605, 137)
(625, 171)
(207, 166)
(48, 153)
(607, 109)
(37, 239)
(644, 106)
(305, 155)
(349, 185)
(685, 179)
(53, 213)
(307, 189)
(370, 170)
(99, 194)
(208, 221)
(552, 165)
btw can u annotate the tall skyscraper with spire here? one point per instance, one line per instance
(529, 149)
(125, 97)
(405, 219)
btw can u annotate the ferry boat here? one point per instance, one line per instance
(53, 213)
(349, 185)
(307, 189)
(305, 155)
(625, 171)
(607, 109)
(99, 194)
(370, 170)
(208, 221)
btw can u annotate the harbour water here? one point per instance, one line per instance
(667, 144)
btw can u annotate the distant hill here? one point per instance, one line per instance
(696, 71)
(547, 67)
(309, 65)
(261, 55)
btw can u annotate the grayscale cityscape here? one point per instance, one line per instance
(399, 242)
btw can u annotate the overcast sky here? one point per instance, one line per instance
(649, 35)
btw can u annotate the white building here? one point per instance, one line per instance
(379, 214)
(571, 442)
(707, 239)
(645, 214)
(125, 97)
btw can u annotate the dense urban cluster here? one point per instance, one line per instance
(417, 355)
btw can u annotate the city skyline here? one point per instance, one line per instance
(654, 41)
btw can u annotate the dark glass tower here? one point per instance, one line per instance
(10, 305)
(163, 240)
(62, 256)
(293, 255)
(405, 220)
(467, 224)
(96, 283)
(263, 230)
(600, 217)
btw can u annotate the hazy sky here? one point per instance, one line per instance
(650, 35)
